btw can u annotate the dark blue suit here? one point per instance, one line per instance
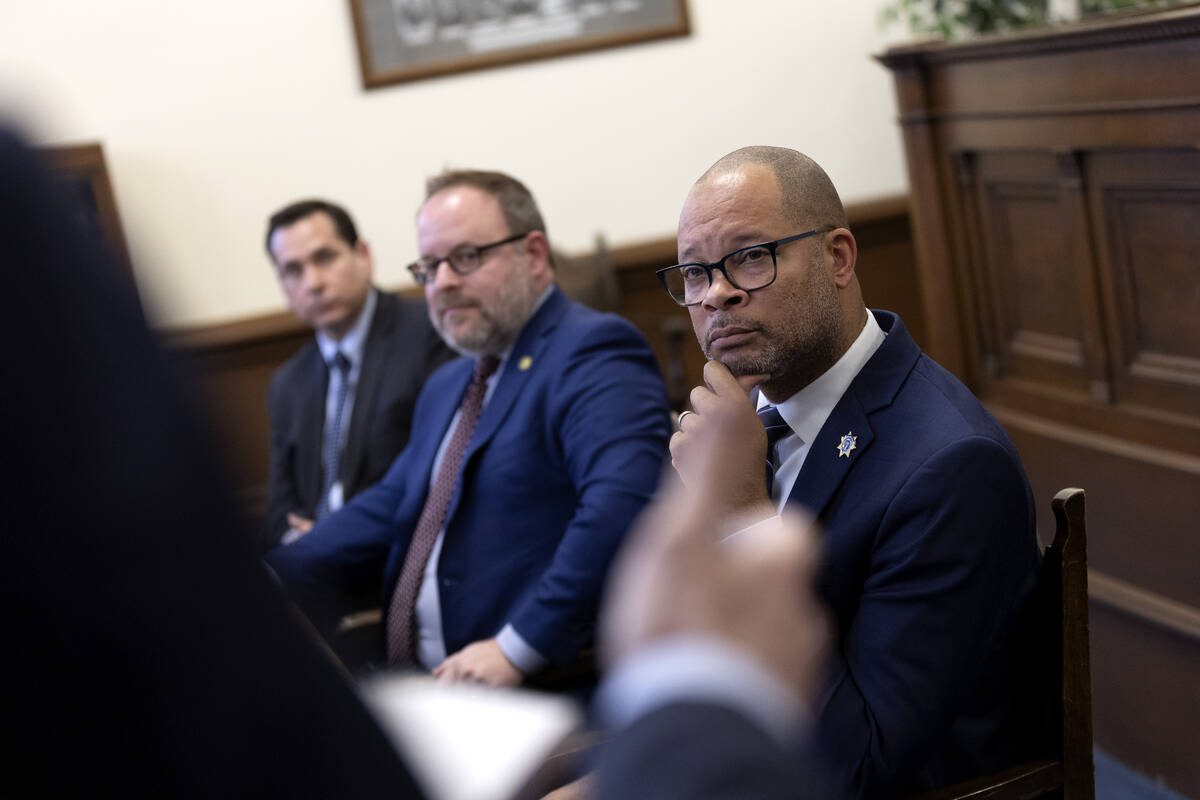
(930, 555)
(931, 551)
(567, 451)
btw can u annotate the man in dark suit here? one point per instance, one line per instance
(930, 541)
(493, 530)
(341, 408)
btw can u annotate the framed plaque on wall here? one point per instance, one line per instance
(406, 40)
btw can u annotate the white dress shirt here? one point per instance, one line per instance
(805, 412)
(351, 346)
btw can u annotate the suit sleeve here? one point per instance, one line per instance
(949, 566)
(702, 750)
(611, 418)
(341, 560)
(282, 495)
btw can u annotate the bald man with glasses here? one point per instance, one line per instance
(930, 539)
(493, 531)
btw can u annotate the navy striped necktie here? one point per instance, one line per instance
(776, 429)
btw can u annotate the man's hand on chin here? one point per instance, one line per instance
(721, 410)
(480, 662)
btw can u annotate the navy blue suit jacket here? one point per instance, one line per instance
(567, 451)
(930, 554)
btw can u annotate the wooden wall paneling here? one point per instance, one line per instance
(887, 264)
(232, 364)
(1148, 204)
(1078, 144)
(1137, 541)
(1082, 252)
(982, 317)
(1031, 281)
(1149, 685)
(935, 272)
(960, 282)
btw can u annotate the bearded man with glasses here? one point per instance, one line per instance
(530, 457)
(930, 541)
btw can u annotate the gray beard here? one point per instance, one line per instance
(499, 331)
(793, 358)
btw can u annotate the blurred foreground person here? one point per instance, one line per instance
(715, 649)
(146, 652)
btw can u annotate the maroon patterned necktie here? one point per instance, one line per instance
(401, 625)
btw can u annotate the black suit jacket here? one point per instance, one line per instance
(400, 352)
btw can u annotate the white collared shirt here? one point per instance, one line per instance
(351, 346)
(806, 411)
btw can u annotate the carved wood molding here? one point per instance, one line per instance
(1112, 445)
(1109, 31)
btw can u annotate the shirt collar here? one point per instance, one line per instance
(355, 339)
(806, 411)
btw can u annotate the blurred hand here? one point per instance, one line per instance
(297, 527)
(480, 662)
(299, 524)
(674, 578)
(724, 426)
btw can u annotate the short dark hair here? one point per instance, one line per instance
(293, 213)
(516, 202)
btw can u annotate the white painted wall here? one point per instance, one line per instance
(213, 114)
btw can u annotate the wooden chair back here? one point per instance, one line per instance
(1061, 621)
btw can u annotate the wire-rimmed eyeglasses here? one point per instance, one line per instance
(747, 269)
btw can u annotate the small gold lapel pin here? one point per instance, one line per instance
(525, 363)
(849, 442)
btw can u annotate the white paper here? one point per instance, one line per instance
(468, 742)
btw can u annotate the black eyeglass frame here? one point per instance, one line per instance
(423, 274)
(719, 266)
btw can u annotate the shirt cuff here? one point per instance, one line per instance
(705, 670)
(519, 652)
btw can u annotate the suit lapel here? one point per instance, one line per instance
(366, 394)
(312, 426)
(523, 363)
(826, 466)
(846, 436)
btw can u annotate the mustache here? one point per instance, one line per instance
(721, 321)
(444, 302)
